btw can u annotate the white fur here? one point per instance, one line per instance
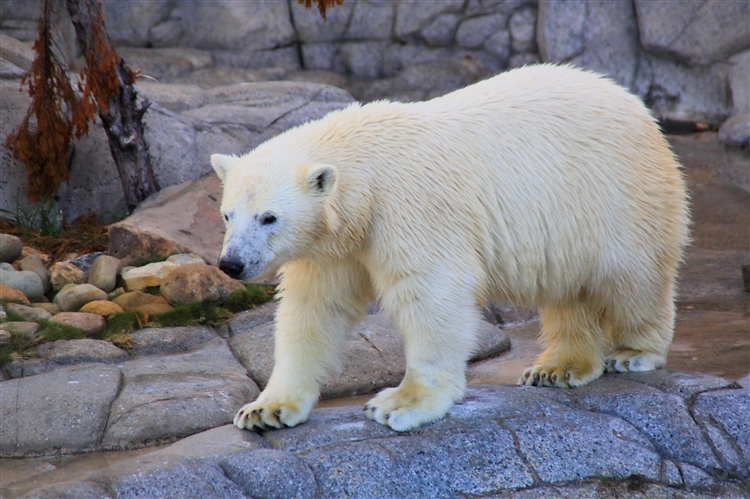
(545, 186)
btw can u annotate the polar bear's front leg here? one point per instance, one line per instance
(439, 341)
(320, 302)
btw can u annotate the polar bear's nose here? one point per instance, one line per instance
(232, 268)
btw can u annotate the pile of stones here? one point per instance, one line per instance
(83, 292)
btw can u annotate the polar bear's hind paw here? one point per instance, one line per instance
(625, 360)
(406, 408)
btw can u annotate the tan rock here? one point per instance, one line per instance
(12, 295)
(198, 283)
(34, 263)
(62, 273)
(183, 218)
(102, 307)
(103, 273)
(52, 308)
(142, 302)
(149, 275)
(31, 314)
(90, 324)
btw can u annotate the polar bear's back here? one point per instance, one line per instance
(540, 182)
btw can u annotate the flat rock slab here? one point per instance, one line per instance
(373, 357)
(176, 395)
(59, 412)
(499, 441)
(49, 356)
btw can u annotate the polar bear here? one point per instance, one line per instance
(544, 186)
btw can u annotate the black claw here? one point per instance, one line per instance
(527, 374)
(553, 378)
(567, 376)
(278, 413)
(627, 363)
(387, 417)
(544, 376)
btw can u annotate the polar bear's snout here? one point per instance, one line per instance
(231, 266)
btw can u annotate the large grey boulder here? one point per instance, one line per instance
(693, 30)
(177, 395)
(58, 412)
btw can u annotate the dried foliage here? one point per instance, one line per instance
(42, 142)
(322, 5)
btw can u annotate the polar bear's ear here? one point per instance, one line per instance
(221, 164)
(322, 179)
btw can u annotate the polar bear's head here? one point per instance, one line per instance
(276, 208)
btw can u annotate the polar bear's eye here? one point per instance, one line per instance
(268, 219)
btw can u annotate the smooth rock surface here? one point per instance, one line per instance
(57, 412)
(49, 356)
(150, 341)
(103, 273)
(21, 328)
(10, 248)
(89, 324)
(735, 132)
(177, 395)
(72, 298)
(32, 314)
(24, 281)
(197, 283)
(139, 278)
(101, 307)
(142, 302)
(34, 263)
(8, 294)
(63, 273)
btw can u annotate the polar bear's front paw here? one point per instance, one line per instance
(407, 407)
(264, 415)
(625, 360)
(565, 375)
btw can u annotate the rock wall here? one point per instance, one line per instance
(688, 60)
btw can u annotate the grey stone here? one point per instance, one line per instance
(169, 340)
(727, 411)
(499, 45)
(474, 31)
(10, 248)
(128, 23)
(270, 474)
(5, 337)
(80, 490)
(74, 297)
(735, 132)
(16, 52)
(681, 93)
(89, 324)
(670, 473)
(22, 328)
(321, 56)
(103, 272)
(25, 281)
(663, 418)
(31, 314)
(363, 59)
(371, 21)
(683, 384)
(522, 26)
(578, 445)
(33, 263)
(59, 412)
(157, 475)
(177, 97)
(167, 63)
(411, 17)
(246, 320)
(602, 36)
(440, 32)
(520, 60)
(176, 395)
(52, 355)
(744, 381)
(222, 442)
(692, 30)
(9, 71)
(695, 477)
(312, 28)
(739, 82)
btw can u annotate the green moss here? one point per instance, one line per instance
(22, 342)
(249, 297)
(152, 290)
(152, 259)
(14, 316)
(121, 323)
(206, 314)
(6, 354)
(53, 331)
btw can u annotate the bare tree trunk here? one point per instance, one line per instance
(121, 114)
